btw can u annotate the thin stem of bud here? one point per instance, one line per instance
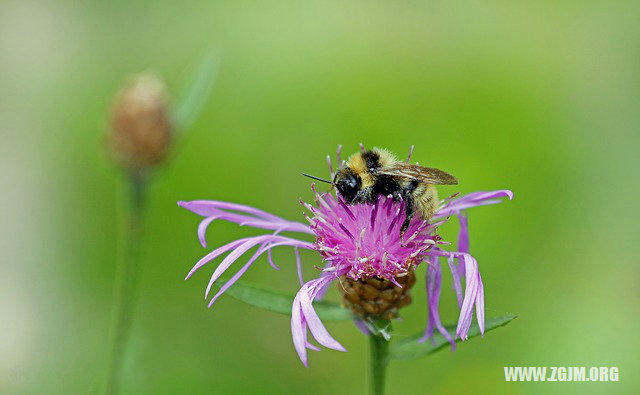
(126, 277)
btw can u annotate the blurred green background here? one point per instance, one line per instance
(538, 97)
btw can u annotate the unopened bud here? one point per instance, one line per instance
(140, 129)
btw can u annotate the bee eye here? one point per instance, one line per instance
(348, 185)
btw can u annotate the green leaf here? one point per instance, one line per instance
(411, 348)
(281, 302)
(196, 93)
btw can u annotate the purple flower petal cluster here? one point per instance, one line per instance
(357, 241)
(364, 240)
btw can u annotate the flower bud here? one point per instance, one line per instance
(140, 129)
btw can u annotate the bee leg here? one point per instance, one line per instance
(365, 195)
(410, 207)
(408, 199)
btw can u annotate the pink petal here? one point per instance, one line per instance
(270, 258)
(361, 326)
(316, 327)
(241, 249)
(464, 321)
(256, 218)
(434, 279)
(215, 253)
(463, 235)
(298, 331)
(299, 266)
(236, 276)
(473, 199)
(457, 285)
(202, 230)
(480, 305)
(212, 207)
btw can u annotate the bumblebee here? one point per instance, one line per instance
(368, 174)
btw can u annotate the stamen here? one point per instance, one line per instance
(330, 166)
(409, 156)
(399, 213)
(347, 209)
(362, 148)
(342, 285)
(393, 223)
(436, 224)
(313, 188)
(331, 201)
(374, 213)
(359, 242)
(345, 230)
(321, 200)
(394, 282)
(325, 248)
(388, 203)
(410, 239)
(331, 258)
(327, 224)
(313, 210)
(338, 159)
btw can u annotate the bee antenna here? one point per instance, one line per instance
(317, 178)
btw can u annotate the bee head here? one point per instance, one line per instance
(348, 183)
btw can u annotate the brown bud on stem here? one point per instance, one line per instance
(140, 129)
(376, 297)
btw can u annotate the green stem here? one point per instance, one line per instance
(379, 360)
(126, 278)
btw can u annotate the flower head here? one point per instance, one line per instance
(365, 240)
(361, 245)
(140, 132)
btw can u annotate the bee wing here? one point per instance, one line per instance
(410, 172)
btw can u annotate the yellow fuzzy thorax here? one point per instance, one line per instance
(357, 163)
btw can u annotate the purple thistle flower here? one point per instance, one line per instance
(357, 243)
